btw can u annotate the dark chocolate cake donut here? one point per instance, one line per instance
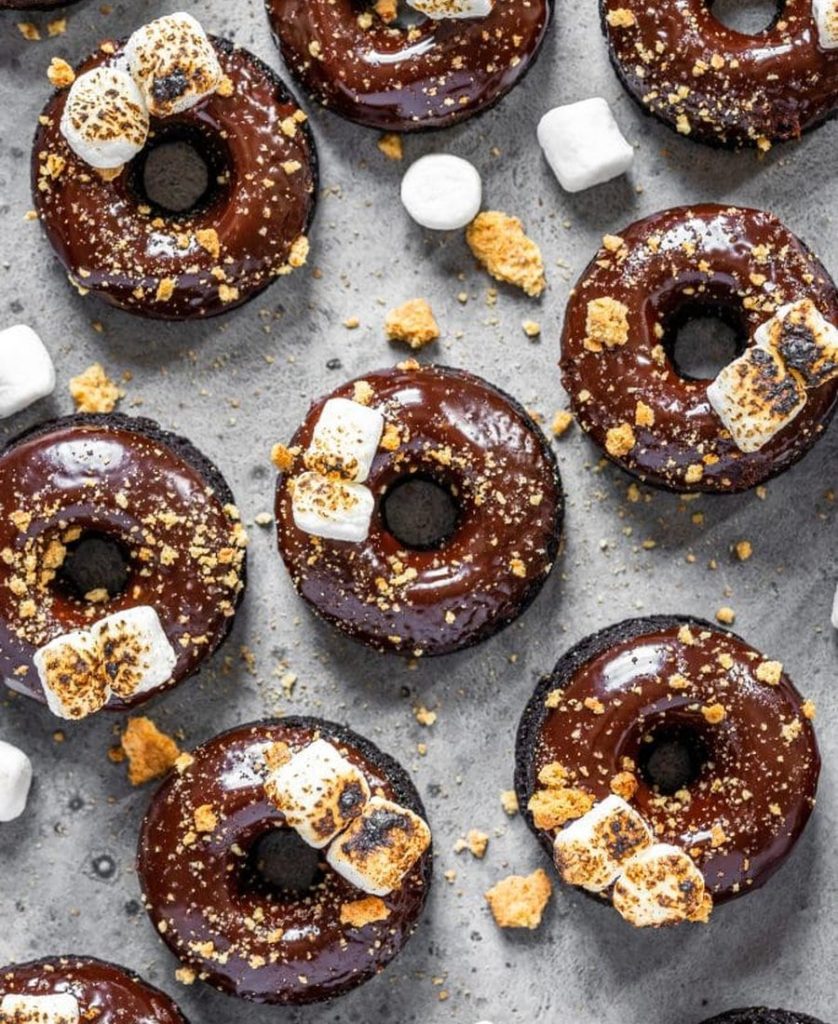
(717, 85)
(122, 565)
(81, 989)
(667, 766)
(286, 861)
(763, 411)
(762, 1015)
(419, 509)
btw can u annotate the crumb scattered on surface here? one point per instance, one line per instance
(150, 752)
(93, 391)
(518, 901)
(391, 146)
(413, 322)
(498, 241)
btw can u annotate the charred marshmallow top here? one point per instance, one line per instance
(826, 18)
(105, 121)
(61, 1008)
(661, 885)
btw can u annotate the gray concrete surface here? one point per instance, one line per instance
(238, 384)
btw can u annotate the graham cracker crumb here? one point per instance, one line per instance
(94, 391)
(606, 324)
(364, 911)
(499, 243)
(205, 818)
(509, 802)
(391, 146)
(413, 322)
(518, 901)
(150, 753)
(60, 73)
(562, 422)
(620, 440)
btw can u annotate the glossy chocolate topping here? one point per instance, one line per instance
(249, 228)
(762, 1015)
(620, 694)
(453, 428)
(105, 993)
(716, 85)
(740, 264)
(430, 75)
(266, 945)
(124, 479)
(34, 5)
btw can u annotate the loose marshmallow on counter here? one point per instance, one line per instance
(70, 670)
(60, 1008)
(805, 340)
(319, 791)
(332, 509)
(345, 440)
(438, 10)
(15, 781)
(835, 610)
(136, 653)
(105, 121)
(755, 396)
(27, 373)
(661, 885)
(825, 13)
(380, 847)
(173, 63)
(592, 851)
(442, 192)
(583, 144)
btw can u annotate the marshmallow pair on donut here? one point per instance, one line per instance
(168, 67)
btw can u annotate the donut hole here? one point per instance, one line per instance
(94, 565)
(750, 17)
(281, 865)
(421, 512)
(672, 759)
(702, 341)
(179, 171)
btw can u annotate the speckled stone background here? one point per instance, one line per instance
(240, 383)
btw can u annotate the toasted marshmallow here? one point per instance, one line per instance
(755, 396)
(319, 792)
(61, 1008)
(15, 781)
(345, 440)
(105, 121)
(27, 373)
(438, 10)
(661, 885)
(70, 670)
(173, 63)
(804, 339)
(442, 192)
(835, 610)
(135, 652)
(332, 509)
(583, 144)
(825, 13)
(380, 847)
(591, 852)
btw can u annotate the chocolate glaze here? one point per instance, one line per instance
(116, 244)
(105, 993)
(432, 76)
(742, 90)
(627, 668)
(658, 275)
(762, 1015)
(196, 894)
(34, 5)
(142, 476)
(485, 574)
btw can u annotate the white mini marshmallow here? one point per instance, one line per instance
(755, 396)
(583, 144)
(380, 847)
(332, 509)
(661, 885)
(70, 670)
(136, 653)
(173, 63)
(27, 373)
(835, 610)
(804, 339)
(441, 9)
(825, 13)
(442, 192)
(60, 1008)
(105, 121)
(591, 851)
(15, 781)
(345, 440)
(319, 791)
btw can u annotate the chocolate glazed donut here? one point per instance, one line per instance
(456, 433)
(129, 502)
(737, 264)
(105, 993)
(761, 1015)
(430, 75)
(218, 913)
(34, 5)
(680, 705)
(719, 86)
(248, 228)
